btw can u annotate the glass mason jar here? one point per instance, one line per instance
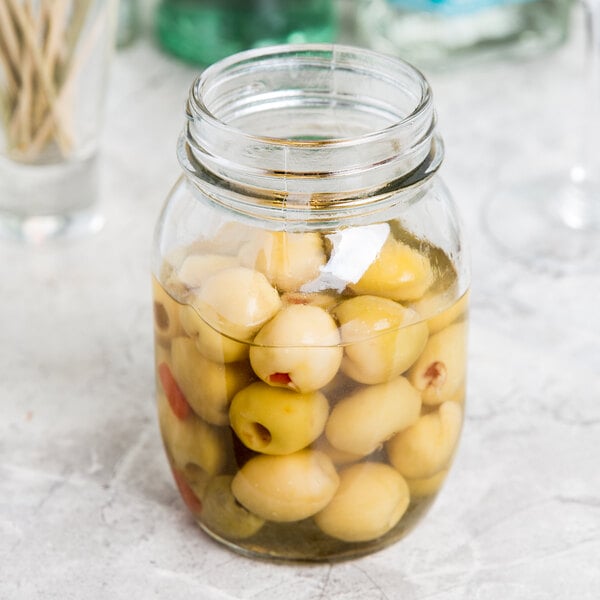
(310, 304)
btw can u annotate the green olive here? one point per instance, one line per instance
(399, 272)
(370, 500)
(371, 415)
(277, 420)
(212, 344)
(197, 478)
(286, 488)
(325, 300)
(236, 302)
(439, 373)
(339, 387)
(223, 515)
(228, 237)
(191, 441)
(428, 486)
(196, 268)
(440, 311)
(382, 339)
(288, 260)
(187, 492)
(207, 386)
(299, 348)
(166, 315)
(338, 457)
(167, 274)
(162, 354)
(426, 447)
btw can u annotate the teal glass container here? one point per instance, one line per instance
(204, 31)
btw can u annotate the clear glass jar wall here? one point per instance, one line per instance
(310, 304)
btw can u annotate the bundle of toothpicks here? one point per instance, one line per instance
(42, 51)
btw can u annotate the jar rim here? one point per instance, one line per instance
(292, 123)
(199, 107)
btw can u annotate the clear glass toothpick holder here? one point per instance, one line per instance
(54, 62)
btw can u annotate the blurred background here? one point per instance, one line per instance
(436, 33)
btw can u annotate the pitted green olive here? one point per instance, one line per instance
(286, 488)
(298, 348)
(437, 311)
(325, 300)
(208, 386)
(428, 486)
(277, 420)
(236, 302)
(212, 344)
(371, 415)
(338, 457)
(228, 237)
(188, 495)
(399, 272)
(382, 338)
(192, 441)
(439, 373)
(426, 447)
(167, 274)
(196, 268)
(288, 260)
(166, 315)
(162, 354)
(197, 478)
(370, 500)
(339, 387)
(223, 515)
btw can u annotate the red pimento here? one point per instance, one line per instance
(281, 378)
(187, 493)
(179, 405)
(436, 374)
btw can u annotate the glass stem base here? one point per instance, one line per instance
(552, 223)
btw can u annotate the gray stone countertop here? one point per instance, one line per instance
(87, 505)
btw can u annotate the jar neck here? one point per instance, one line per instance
(309, 128)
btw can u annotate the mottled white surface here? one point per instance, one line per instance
(87, 505)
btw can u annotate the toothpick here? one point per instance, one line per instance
(81, 9)
(56, 26)
(42, 52)
(90, 41)
(62, 138)
(9, 35)
(11, 80)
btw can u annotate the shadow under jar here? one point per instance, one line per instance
(310, 300)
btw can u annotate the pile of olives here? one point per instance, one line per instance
(301, 420)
